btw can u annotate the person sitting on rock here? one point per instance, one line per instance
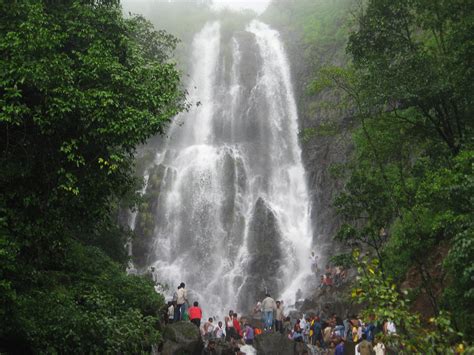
(219, 331)
(298, 332)
(328, 270)
(248, 334)
(327, 280)
(195, 314)
(208, 329)
(170, 312)
(322, 286)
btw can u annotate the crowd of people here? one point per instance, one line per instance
(234, 329)
(331, 276)
(337, 336)
(333, 334)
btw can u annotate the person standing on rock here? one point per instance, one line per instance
(365, 347)
(268, 306)
(279, 317)
(317, 332)
(314, 262)
(379, 347)
(237, 328)
(304, 329)
(229, 326)
(195, 314)
(181, 300)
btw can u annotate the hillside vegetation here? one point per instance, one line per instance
(80, 88)
(405, 80)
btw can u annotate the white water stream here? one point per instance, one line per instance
(234, 208)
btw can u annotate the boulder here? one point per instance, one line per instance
(181, 338)
(264, 261)
(278, 344)
(224, 348)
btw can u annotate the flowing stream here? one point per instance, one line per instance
(233, 215)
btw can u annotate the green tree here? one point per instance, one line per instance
(382, 300)
(411, 172)
(80, 88)
(414, 58)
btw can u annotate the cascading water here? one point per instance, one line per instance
(233, 215)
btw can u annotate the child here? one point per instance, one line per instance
(248, 334)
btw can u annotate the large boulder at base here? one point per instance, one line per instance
(181, 338)
(223, 347)
(278, 344)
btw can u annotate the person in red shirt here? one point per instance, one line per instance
(195, 314)
(238, 331)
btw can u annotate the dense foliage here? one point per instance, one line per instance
(410, 185)
(80, 88)
(383, 302)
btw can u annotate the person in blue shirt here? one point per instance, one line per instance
(339, 347)
(370, 331)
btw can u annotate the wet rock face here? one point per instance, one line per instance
(278, 344)
(330, 301)
(264, 256)
(181, 338)
(145, 223)
(233, 220)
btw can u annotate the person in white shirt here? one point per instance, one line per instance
(389, 328)
(181, 300)
(268, 306)
(208, 329)
(219, 332)
(379, 347)
(170, 312)
(314, 262)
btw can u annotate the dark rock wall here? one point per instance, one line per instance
(147, 212)
(263, 267)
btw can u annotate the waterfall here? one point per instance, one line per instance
(233, 211)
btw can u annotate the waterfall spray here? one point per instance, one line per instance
(233, 215)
